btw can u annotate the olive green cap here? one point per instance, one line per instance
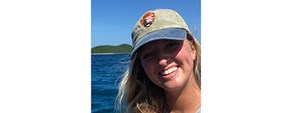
(156, 25)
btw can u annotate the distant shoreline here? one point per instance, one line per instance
(108, 53)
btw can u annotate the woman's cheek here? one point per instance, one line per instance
(148, 68)
(150, 72)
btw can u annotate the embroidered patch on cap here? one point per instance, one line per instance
(147, 19)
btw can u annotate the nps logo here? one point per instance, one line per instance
(147, 19)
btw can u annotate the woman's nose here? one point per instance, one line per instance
(163, 59)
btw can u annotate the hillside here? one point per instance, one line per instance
(123, 48)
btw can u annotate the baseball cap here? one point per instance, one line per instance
(156, 25)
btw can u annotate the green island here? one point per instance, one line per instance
(109, 49)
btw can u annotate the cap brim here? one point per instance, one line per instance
(169, 34)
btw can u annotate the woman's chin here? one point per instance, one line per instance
(172, 85)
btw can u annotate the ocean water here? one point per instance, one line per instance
(106, 72)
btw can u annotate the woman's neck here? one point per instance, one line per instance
(185, 100)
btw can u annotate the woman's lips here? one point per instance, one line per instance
(168, 73)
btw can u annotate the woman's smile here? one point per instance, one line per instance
(168, 71)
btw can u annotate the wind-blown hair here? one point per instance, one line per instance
(138, 94)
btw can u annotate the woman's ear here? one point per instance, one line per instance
(192, 43)
(193, 52)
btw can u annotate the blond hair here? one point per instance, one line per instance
(137, 93)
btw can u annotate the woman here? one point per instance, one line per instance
(164, 72)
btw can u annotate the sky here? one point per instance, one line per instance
(112, 21)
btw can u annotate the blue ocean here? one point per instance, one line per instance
(106, 72)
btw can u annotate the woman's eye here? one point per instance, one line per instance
(172, 45)
(147, 56)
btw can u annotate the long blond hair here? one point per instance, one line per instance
(137, 93)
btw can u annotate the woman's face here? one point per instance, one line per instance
(168, 63)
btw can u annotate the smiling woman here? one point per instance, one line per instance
(164, 72)
(162, 60)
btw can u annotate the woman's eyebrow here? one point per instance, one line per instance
(144, 49)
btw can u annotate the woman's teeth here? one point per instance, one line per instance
(168, 71)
